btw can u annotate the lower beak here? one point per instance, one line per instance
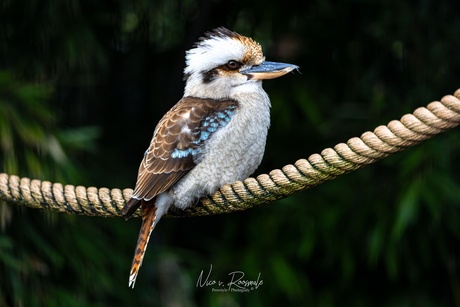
(268, 70)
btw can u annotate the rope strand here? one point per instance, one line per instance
(410, 130)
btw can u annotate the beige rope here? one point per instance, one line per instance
(410, 130)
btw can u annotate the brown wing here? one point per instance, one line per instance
(176, 145)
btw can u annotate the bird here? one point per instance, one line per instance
(214, 135)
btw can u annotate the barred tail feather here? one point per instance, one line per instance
(149, 219)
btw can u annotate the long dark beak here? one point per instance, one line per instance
(268, 70)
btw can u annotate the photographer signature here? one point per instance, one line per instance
(235, 283)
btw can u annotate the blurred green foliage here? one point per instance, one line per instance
(83, 84)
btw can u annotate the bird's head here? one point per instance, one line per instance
(224, 62)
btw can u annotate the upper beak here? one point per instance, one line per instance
(268, 70)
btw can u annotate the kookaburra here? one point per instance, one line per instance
(214, 135)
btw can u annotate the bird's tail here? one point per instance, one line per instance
(131, 207)
(149, 220)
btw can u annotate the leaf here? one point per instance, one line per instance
(407, 211)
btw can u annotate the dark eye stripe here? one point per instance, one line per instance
(209, 75)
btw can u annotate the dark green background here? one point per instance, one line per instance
(83, 84)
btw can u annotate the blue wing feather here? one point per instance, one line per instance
(177, 145)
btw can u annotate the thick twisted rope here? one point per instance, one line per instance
(410, 130)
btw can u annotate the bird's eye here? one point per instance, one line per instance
(233, 65)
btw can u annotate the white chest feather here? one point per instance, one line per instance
(233, 153)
